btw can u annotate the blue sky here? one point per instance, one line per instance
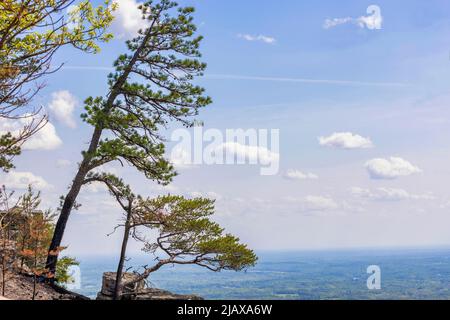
(273, 65)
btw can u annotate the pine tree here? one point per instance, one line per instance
(181, 230)
(152, 85)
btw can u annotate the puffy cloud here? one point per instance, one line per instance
(229, 153)
(298, 175)
(262, 38)
(62, 106)
(389, 194)
(21, 180)
(128, 18)
(391, 168)
(44, 139)
(346, 140)
(252, 153)
(181, 158)
(372, 21)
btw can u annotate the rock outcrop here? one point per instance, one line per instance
(137, 291)
(109, 283)
(20, 287)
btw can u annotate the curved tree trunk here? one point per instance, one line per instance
(69, 202)
(118, 288)
(85, 166)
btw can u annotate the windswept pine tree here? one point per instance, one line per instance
(175, 231)
(152, 85)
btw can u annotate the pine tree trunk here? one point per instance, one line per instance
(69, 202)
(126, 235)
(84, 169)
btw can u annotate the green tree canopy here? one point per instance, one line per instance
(186, 235)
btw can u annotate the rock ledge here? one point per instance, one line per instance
(137, 291)
(151, 294)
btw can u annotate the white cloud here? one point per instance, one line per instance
(389, 194)
(128, 18)
(315, 203)
(21, 180)
(293, 174)
(181, 158)
(346, 140)
(62, 106)
(331, 23)
(160, 189)
(303, 80)
(252, 153)
(360, 192)
(63, 163)
(391, 168)
(319, 203)
(74, 20)
(372, 21)
(210, 195)
(262, 38)
(110, 168)
(95, 187)
(44, 139)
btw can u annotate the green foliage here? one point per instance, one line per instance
(29, 202)
(31, 28)
(152, 85)
(116, 187)
(8, 150)
(188, 236)
(62, 270)
(31, 32)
